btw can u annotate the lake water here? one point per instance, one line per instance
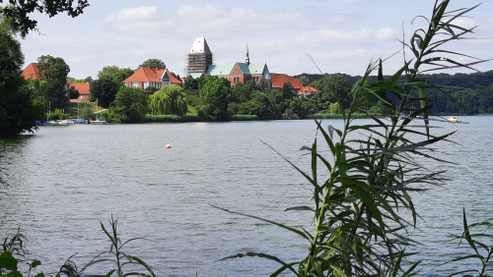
(65, 180)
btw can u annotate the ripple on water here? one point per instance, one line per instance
(59, 193)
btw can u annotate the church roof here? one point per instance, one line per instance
(200, 46)
(220, 70)
(256, 68)
(244, 68)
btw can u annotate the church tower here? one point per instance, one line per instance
(199, 58)
(247, 58)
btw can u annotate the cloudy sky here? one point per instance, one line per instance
(340, 35)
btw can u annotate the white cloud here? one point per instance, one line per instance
(200, 11)
(140, 21)
(133, 14)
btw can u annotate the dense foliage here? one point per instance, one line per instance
(130, 105)
(115, 73)
(168, 100)
(153, 63)
(104, 90)
(53, 87)
(213, 98)
(18, 106)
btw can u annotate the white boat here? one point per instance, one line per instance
(64, 122)
(98, 122)
(454, 119)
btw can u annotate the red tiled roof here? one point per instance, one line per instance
(174, 80)
(83, 88)
(31, 72)
(278, 81)
(307, 91)
(146, 74)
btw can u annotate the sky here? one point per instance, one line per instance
(342, 36)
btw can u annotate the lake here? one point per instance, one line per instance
(65, 180)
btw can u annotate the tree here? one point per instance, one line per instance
(261, 105)
(130, 104)
(297, 109)
(242, 92)
(191, 83)
(73, 93)
(54, 88)
(333, 87)
(18, 108)
(115, 73)
(153, 63)
(304, 80)
(19, 12)
(104, 90)
(168, 100)
(213, 98)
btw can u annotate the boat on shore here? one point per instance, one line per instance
(98, 122)
(454, 119)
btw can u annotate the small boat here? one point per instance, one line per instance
(64, 122)
(98, 122)
(454, 119)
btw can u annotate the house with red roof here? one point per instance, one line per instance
(31, 72)
(278, 81)
(84, 92)
(146, 77)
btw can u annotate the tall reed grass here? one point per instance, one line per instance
(361, 198)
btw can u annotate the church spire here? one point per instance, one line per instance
(247, 58)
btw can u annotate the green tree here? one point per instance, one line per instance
(73, 93)
(297, 109)
(242, 92)
(86, 111)
(20, 12)
(213, 98)
(115, 73)
(261, 105)
(54, 87)
(191, 84)
(153, 63)
(304, 80)
(18, 108)
(331, 88)
(168, 100)
(130, 104)
(104, 90)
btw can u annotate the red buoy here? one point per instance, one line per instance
(168, 146)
